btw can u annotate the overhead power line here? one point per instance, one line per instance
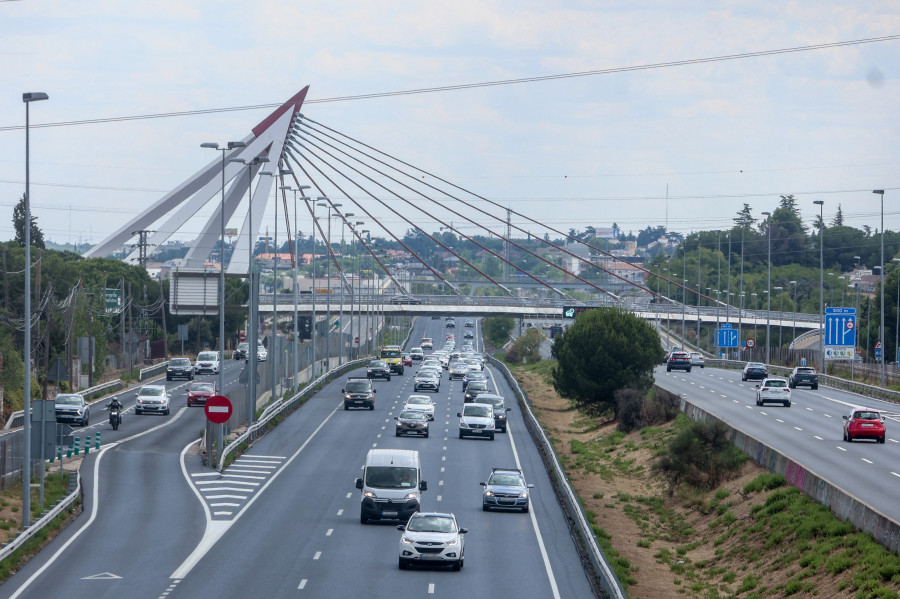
(475, 85)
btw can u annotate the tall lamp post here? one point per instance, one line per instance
(28, 98)
(880, 192)
(780, 315)
(343, 277)
(296, 351)
(897, 319)
(821, 205)
(793, 284)
(768, 283)
(214, 146)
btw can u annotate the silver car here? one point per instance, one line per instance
(432, 538)
(458, 370)
(152, 398)
(423, 403)
(71, 407)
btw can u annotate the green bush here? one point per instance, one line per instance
(701, 456)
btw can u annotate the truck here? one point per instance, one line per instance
(393, 356)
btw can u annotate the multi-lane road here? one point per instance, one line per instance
(283, 520)
(810, 432)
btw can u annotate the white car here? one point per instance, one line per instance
(476, 420)
(427, 378)
(152, 398)
(432, 538)
(697, 359)
(458, 370)
(261, 354)
(773, 391)
(423, 403)
(207, 362)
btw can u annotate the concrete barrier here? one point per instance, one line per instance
(841, 503)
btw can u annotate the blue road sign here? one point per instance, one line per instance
(726, 337)
(840, 327)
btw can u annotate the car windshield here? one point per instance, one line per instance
(431, 524)
(390, 353)
(202, 387)
(866, 415)
(775, 383)
(180, 362)
(69, 400)
(427, 372)
(378, 364)
(478, 411)
(244, 346)
(412, 415)
(391, 477)
(153, 391)
(477, 386)
(507, 480)
(497, 402)
(357, 387)
(208, 355)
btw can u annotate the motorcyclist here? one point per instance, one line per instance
(115, 404)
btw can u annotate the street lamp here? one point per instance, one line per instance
(821, 205)
(897, 332)
(296, 352)
(344, 218)
(769, 284)
(252, 327)
(214, 146)
(780, 316)
(755, 315)
(28, 98)
(881, 325)
(794, 332)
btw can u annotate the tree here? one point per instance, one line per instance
(527, 347)
(496, 330)
(37, 236)
(605, 350)
(838, 220)
(744, 218)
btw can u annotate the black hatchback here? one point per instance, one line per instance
(378, 369)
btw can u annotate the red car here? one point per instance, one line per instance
(864, 423)
(198, 393)
(407, 360)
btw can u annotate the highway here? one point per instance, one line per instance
(283, 520)
(810, 431)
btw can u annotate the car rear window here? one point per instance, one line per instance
(867, 415)
(806, 371)
(776, 383)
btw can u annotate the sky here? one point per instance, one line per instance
(677, 146)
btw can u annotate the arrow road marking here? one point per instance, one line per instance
(103, 576)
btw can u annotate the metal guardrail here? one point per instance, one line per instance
(43, 521)
(17, 419)
(569, 500)
(150, 371)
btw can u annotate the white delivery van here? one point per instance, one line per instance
(391, 485)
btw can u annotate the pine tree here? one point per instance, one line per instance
(744, 218)
(838, 220)
(37, 236)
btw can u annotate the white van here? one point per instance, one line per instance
(391, 485)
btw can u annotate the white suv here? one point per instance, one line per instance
(476, 420)
(207, 361)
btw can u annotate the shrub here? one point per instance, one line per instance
(701, 456)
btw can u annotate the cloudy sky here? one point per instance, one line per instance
(570, 152)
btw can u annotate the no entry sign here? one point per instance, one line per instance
(218, 409)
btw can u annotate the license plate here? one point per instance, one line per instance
(389, 514)
(431, 556)
(867, 425)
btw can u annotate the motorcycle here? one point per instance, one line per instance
(115, 416)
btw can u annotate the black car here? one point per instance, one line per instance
(473, 375)
(359, 393)
(412, 422)
(473, 390)
(450, 324)
(500, 409)
(180, 368)
(378, 369)
(470, 323)
(804, 375)
(754, 370)
(679, 360)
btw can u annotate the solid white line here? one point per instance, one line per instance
(226, 497)
(225, 504)
(222, 513)
(94, 509)
(242, 490)
(229, 475)
(204, 473)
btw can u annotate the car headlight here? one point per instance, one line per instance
(369, 494)
(523, 494)
(501, 416)
(453, 542)
(406, 540)
(411, 495)
(347, 396)
(489, 493)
